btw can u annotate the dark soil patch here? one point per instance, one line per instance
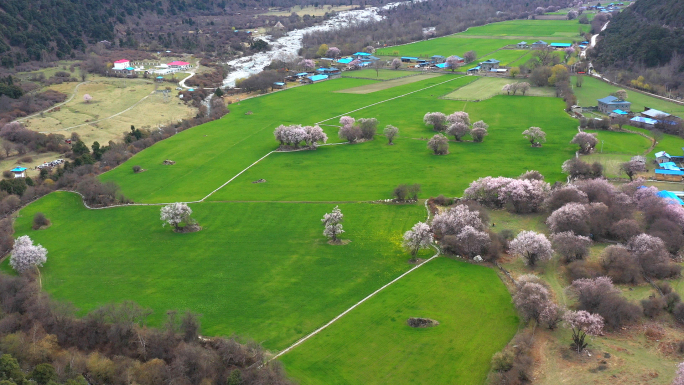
(416, 261)
(168, 162)
(421, 322)
(189, 229)
(339, 242)
(260, 181)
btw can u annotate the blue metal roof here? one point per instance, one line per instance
(302, 74)
(361, 54)
(130, 68)
(441, 65)
(662, 153)
(345, 60)
(669, 172)
(279, 83)
(490, 61)
(316, 78)
(409, 58)
(18, 169)
(669, 166)
(561, 45)
(620, 112)
(475, 68)
(670, 196)
(640, 119)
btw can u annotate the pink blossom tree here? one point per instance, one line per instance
(472, 241)
(530, 299)
(524, 87)
(507, 89)
(488, 191)
(332, 223)
(459, 116)
(571, 217)
(525, 195)
(452, 63)
(354, 64)
(25, 255)
(87, 98)
(591, 291)
(572, 247)
(631, 167)
(418, 238)
(535, 135)
(333, 52)
(458, 129)
(583, 323)
(314, 134)
(350, 133)
(585, 141)
(452, 221)
(439, 144)
(435, 119)
(390, 133)
(347, 121)
(551, 315)
(307, 63)
(479, 131)
(396, 63)
(532, 247)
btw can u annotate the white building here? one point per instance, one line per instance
(122, 64)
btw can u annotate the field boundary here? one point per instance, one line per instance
(371, 295)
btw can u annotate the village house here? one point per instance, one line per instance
(560, 45)
(179, 65)
(669, 175)
(314, 79)
(332, 72)
(523, 45)
(609, 103)
(278, 85)
(488, 65)
(121, 64)
(662, 157)
(360, 55)
(640, 121)
(19, 172)
(540, 44)
(655, 114)
(436, 59)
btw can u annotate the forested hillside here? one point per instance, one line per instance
(648, 39)
(52, 29)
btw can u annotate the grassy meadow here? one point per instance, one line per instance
(261, 270)
(593, 89)
(374, 345)
(382, 74)
(446, 46)
(487, 87)
(531, 28)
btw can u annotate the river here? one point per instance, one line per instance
(287, 47)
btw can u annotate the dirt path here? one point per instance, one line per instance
(371, 295)
(73, 94)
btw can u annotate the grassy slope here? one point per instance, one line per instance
(373, 344)
(446, 46)
(370, 170)
(593, 89)
(207, 156)
(263, 271)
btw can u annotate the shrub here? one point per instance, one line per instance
(581, 269)
(439, 144)
(136, 169)
(678, 312)
(39, 220)
(653, 306)
(503, 361)
(621, 266)
(625, 229)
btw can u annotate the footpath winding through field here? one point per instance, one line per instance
(73, 94)
(371, 295)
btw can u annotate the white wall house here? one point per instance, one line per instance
(122, 64)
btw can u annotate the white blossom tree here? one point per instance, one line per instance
(583, 323)
(332, 223)
(25, 255)
(396, 63)
(535, 135)
(458, 130)
(390, 133)
(436, 120)
(418, 238)
(87, 98)
(452, 63)
(532, 247)
(175, 214)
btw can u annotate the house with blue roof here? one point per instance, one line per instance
(669, 166)
(436, 59)
(345, 60)
(561, 45)
(19, 172)
(360, 55)
(523, 45)
(314, 79)
(669, 175)
(671, 197)
(408, 59)
(610, 103)
(640, 121)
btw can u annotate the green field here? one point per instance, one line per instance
(487, 87)
(374, 345)
(261, 270)
(380, 75)
(593, 89)
(446, 46)
(531, 28)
